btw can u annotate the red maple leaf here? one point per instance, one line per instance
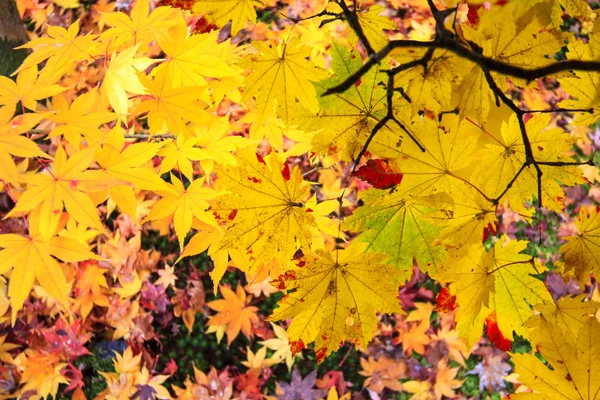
(380, 174)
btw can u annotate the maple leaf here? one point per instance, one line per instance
(88, 289)
(396, 226)
(415, 336)
(281, 76)
(127, 164)
(334, 297)
(516, 35)
(13, 144)
(265, 213)
(209, 238)
(345, 120)
(169, 106)
(567, 314)
(81, 117)
(380, 174)
(66, 340)
(491, 371)
(373, 23)
(28, 89)
(167, 277)
(382, 373)
(579, 9)
(582, 250)
(181, 152)
(575, 363)
(444, 380)
(258, 360)
(65, 185)
(41, 372)
(280, 345)
(507, 157)
(300, 388)
(192, 58)
(435, 165)
(141, 27)
(30, 258)
(463, 215)
(150, 387)
(431, 87)
(239, 12)
(234, 312)
(499, 280)
(62, 48)
(214, 144)
(122, 76)
(583, 86)
(456, 349)
(183, 205)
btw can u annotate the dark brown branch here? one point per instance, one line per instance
(459, 49)
(445, 39)
(565, 163)
(374, 60)
(374, 131)
(510, 184)
(352, 19)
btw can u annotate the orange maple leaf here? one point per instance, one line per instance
(234, 312)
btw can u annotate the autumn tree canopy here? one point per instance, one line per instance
(367, 165)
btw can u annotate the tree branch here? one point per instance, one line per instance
(352, 19)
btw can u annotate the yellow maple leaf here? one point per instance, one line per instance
(233, 310)
(499, 280)
(265, 212)
(27, 89)
(222, 11)
(62, 48)
(184, 204)
(280, 345)
(191, 58)
(180, 152)
(281, 77)
(81, 117)
(169, 106)
(209, 238)
(336, 297)
(140, 27)
(575, 363)
(518, 35)
(462, 215)
(65, 185)
(436, 165)
(583, 86)
(567, 314)
(345, 120)
(506, 158)
(31, 258)
(215, 144)
(582, 250)
(41, 372)
(122, 76)
(13, 144)
(430, 87)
